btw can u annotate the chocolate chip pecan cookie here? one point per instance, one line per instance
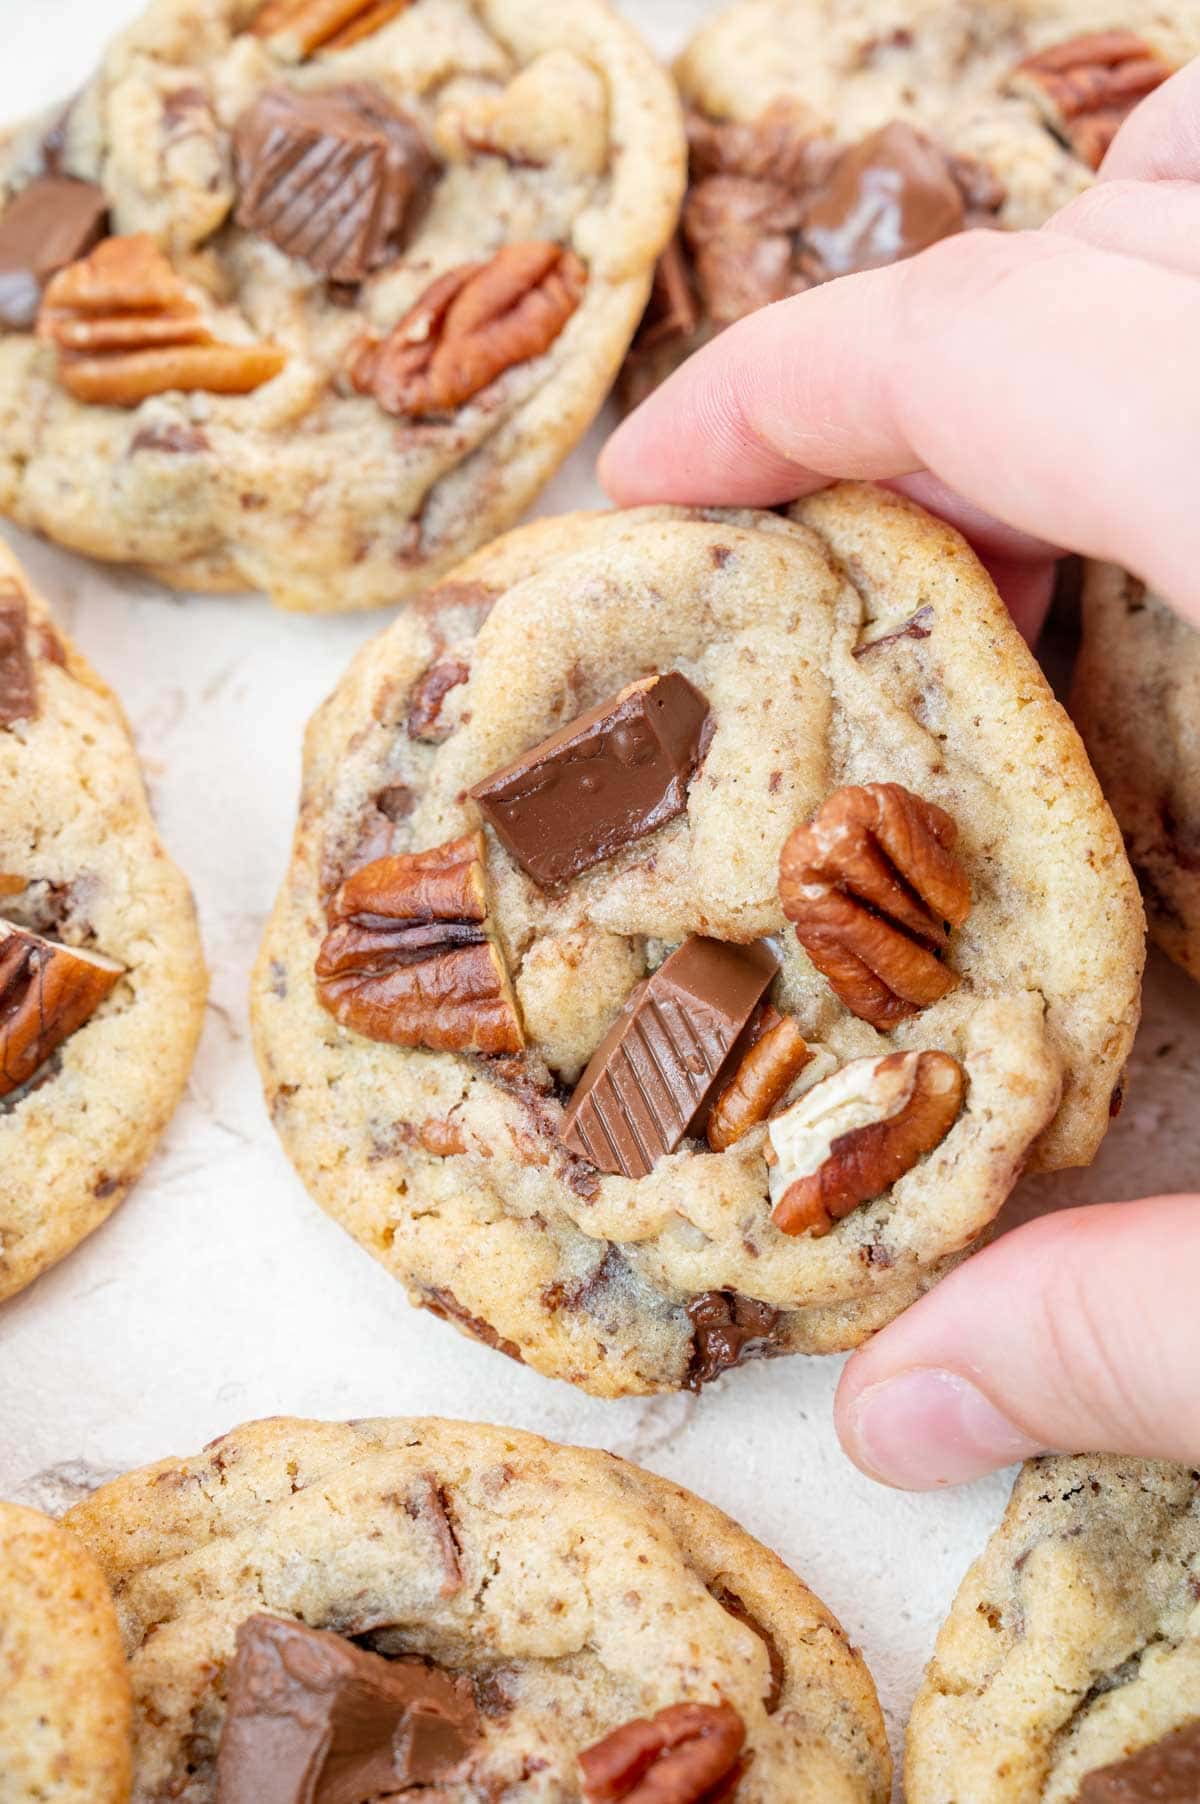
(314, 295)
(102, 978)
(1069, 1669)
(828, 137)
(64, 1683)
(333, 1611)
(1136, 699)
(671, 969)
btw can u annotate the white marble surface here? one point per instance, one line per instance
(219, 1292)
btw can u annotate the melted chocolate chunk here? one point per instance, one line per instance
(887, 198)
(331, 177)
(729, 1330)
(1166, 1773)
(312, 1719)
(614, 775)
(52, 222)
(18, 686)
(664, 1055)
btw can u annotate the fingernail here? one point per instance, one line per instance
(929, 1428)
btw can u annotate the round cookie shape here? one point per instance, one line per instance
(408, 245)
(102, 979)
(573, 1592)
(65, 1711)
(1136, 701)
(1073, 1646)
(859, 643)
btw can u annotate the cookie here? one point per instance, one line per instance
(533, 1599)
(65, 1712)
(1068, 1671)
(1136, 701)
(829, 136)
(102, 979)
(313, 296)
(614, 1118)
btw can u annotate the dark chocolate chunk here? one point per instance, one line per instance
(615, 774)
(658, 1064)
(330, 177)
(728, 1330)
(887, 198)
(1168, 1772)
(52, 222)
(18, 686)
(312, 1719)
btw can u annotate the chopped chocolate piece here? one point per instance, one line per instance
(51, 223)
(312, 1719)
(18, 687)
(609, 778)
(665, 1054)
(734, 1606)
(425, 708)
(330, 177)
(446, 1306)
(886, 198)
(729, 1330)
(1168, 1772)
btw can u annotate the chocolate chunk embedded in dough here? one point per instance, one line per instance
(1168, 1772)
(886, 198)
(49, 224)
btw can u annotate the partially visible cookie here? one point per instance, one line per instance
(64, 1685)
(1068, 1671)
(1136, 701)
(536, 1598)
(102, 979)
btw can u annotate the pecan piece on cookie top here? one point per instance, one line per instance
(686, 1754)
(1086, 87)
(47, 993)
(305, 26)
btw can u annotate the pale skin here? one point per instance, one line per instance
(1040, 390)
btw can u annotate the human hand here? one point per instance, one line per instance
(1037, 389)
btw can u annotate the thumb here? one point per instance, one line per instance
(1078, 1333)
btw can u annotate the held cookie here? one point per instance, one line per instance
(1068, 1671)
(102, 978)
(64, 1685)
(1136, 700)
(829, 136)
(339, 1612)
(313, 296)
(673, 965)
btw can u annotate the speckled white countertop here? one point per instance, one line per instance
(218, 1292)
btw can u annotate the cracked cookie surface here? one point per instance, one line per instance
(573, 1591)
(504, 124)
(450, 1167)
(1073, 1644)
(64, 1684)
(83, 877)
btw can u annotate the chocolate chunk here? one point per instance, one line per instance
(311, 1719)
(664, 1055)
(1166, 1773)
(330, 177)
(425, 709)
(446, 1306)
(736, 1607)
(729, 1330)
(51, 223)
(615, 774)
(18, 687)
(887, 197)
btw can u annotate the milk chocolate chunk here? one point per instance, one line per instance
(330, 177)
(887, 197)
(51, 223)
(312, 1719)
(1168, 1772)
(609, 778)
(664, 1055)
(18, 687)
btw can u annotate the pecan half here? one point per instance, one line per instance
(469, 327)
(325, 24)
(873, 887)
(852, 1137)
(770, 1065)
(1086, 87)
(410, 957)
(681, 1756)
(126, 328)
(18, 686)
(47, 992)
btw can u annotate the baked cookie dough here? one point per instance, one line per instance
(829, 136)
(1068, 1671)
(102, 980)
(371, 270)
(1136, 701)
(535, 1597)
(451, 1047)
(64, 1685)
